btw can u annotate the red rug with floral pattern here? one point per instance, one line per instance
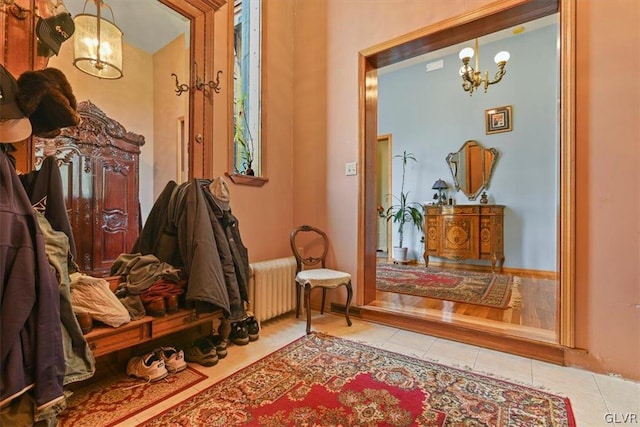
(470, 287)
(114, 398)
(320, 380)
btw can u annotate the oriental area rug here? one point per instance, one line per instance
(469, 287)
(321, 380)
(113, 399)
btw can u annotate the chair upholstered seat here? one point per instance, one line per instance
(314, 243)
(324, 277)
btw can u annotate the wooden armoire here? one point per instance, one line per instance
(98, 162)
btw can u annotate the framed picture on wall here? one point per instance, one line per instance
(499, 119)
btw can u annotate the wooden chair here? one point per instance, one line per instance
(323, 277)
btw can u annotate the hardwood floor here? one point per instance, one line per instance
(535, 319)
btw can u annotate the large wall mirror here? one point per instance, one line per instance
(156, 43)
(429, 123)
(163, 98)
(165, 46)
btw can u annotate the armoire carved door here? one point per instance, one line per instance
(99, 166)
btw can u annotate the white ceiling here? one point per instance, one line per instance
(146, 24)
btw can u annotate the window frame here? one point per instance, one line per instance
(254, 135)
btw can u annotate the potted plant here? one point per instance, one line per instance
(246, 153)
(242, 137)
(404, 212)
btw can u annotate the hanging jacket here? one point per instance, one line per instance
(79, 361)
(44, 188)
(178, 232)
(156, 238)
(31, 353)
(189, 217)
(239, 252)
(236, 305)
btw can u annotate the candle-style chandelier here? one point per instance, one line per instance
(472, 78)
(97, 47)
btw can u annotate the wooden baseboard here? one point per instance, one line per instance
(340, 308)
(539, 274)
(548, 352)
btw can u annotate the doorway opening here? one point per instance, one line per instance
(560, 297)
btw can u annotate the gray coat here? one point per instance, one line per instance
(189, 216)
(229, 249)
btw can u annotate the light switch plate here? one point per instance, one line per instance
(351, 168)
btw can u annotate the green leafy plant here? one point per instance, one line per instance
(241, 134)
(404, 212)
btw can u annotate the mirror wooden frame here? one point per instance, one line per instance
(490, 18)
(201, 16)
(20, 56)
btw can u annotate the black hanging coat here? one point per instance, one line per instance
(31, 353)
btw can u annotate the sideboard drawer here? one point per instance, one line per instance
(458, 210)
(492, 210)
(432, 210)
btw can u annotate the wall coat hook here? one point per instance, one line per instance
(199, 83)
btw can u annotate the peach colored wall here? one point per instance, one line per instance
(328, 36)
(168, 108)
(129, 100)
(311, 164)
(608, 184)
(264, 213)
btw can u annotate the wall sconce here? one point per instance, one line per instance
(471, 78)
(97, 45)
(199, 84)
(440, 186)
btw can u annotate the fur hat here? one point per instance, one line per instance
(46, 97)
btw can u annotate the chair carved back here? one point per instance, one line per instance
(309, 233)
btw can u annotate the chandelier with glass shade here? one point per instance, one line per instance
(472, 78)
(97, 46)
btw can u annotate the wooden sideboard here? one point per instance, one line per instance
(464, 232)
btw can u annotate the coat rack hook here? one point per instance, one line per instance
(180, 87)
(199, 83)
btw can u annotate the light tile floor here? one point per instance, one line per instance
(593, 396)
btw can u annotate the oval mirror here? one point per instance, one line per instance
(472, 167)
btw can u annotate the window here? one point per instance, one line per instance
(247, 35)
